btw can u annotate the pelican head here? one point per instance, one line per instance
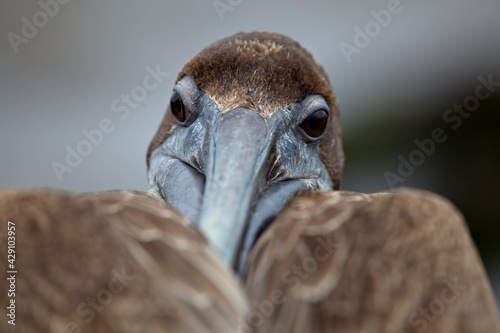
(252, 121)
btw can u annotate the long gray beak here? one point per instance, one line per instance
(238, 153)
(233, 194)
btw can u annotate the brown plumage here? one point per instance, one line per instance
(386, 262)
(146, 267)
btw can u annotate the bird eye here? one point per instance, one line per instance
(178, 109)
(315, 124)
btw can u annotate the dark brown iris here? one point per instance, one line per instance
(178, 109)
(315, 124)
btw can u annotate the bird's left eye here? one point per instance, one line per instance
(178, 109)
(314, 125)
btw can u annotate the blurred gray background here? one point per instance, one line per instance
(65, 68)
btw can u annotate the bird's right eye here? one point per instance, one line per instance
(178, 109)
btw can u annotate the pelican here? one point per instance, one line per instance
(246, 166)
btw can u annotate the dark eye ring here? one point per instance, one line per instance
(314, 125)
(178, 109)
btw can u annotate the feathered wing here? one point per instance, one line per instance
(346, 262)
(112, 262)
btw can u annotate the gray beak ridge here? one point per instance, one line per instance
(238, 153)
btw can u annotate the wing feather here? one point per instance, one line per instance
(113, 262)
(387, 262)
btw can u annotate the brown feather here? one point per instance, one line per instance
(71, 247)
(389, 257)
